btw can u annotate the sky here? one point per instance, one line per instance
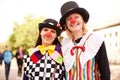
(15, 10)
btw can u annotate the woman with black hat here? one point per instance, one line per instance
(46, 60)
(84, 51)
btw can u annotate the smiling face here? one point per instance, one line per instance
(74, 22)
(48, 36)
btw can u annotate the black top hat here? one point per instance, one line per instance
(50, 23)
(72, 7)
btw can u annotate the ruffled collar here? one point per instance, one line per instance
(54, 51)
(92, 46)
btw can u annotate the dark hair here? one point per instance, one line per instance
(39, 41)
(6, 46)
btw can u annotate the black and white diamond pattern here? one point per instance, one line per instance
(43, 69)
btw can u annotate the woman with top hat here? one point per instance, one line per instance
(84, 51)
(46, 59)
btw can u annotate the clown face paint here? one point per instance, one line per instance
(74, 22)
(48, 36)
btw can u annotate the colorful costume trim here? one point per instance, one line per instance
(53, 51)
(79, 59)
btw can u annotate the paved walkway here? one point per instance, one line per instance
(13, 71)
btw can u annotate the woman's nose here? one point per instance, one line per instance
(48, 34)
(72, 20)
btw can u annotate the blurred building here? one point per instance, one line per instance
(111, 33)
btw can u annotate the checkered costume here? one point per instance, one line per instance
(44, 69)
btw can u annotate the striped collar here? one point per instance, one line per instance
(54, 51)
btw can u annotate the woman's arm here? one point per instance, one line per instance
(103, 63)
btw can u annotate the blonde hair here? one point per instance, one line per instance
(84, 28)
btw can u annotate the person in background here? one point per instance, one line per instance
(45, 61)
(19, 57)
(84, 51)
(7, 57)
(1, 58)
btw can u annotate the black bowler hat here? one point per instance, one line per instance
(72, 7)
(50, 23)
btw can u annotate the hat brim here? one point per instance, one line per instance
(45, 25)
(84, 13)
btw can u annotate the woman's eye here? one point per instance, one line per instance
(53, 31)
(67, 19)
(45, 29)
(76, 17)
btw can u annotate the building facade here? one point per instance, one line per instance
(111, 34)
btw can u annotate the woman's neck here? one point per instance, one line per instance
(75, 35)
(46, 45)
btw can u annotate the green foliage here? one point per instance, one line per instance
(25, 34)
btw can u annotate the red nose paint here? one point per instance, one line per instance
(73, 20)
(48, 34)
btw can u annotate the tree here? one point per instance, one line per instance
(25, 34)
